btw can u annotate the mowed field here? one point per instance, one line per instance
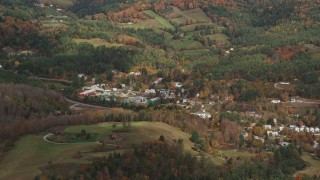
(312, 168)
(159, 19)
(31, 154)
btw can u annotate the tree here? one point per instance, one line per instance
(195, 137)
(161, 138)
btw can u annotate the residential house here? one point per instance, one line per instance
(178, 84)
(267, 127)
(89, 92)
(136, 100)
(272, 134)
(203, 114)
(275, 101)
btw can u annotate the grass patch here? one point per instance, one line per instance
(186, 44)
(312, 168)
(159, 19)
(96, 42)
(31, 153)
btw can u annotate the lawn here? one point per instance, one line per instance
(186, 43)
(31, 153)
(195, 15)
(312, 168)
(159, 19)
(314, 50)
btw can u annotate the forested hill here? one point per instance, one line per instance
(214, 40)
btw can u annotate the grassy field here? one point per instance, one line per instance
(313, 166)
(31, 154)
(96, 42)
(61, 3)
(195, 15)
(186, 43)
(314, 50)
(159, 19)
(219, 159)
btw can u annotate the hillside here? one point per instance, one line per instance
(240, 78)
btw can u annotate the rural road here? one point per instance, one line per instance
(53, 80)
(86, 105)
(45, 138)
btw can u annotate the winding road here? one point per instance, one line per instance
(45, 138)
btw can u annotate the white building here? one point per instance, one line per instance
(203, 114)
(267, 127)
(275, 101)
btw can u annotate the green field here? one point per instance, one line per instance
(195, 15)
(96, 42)
(159, 19)
(31, 153)
(61, 3)
(186, 43)
(219, 159)
(314, 50)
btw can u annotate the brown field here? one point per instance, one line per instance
(312, 168)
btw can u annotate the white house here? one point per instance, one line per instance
(297, 129)
(284, 83)
(316, 130)
(150, 91)
(157, 81)
(203, 114)
(267, 127)
(137, 100)
(312, 129)
(272, 133)
(275, 101)
(178, 84)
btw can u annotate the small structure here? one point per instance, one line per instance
(178, 84)
(267, 127)
(88, 93)
(203, 114)
(275, 101)
(136, 100)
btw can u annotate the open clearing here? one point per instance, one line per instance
(61, 3)
(31, 153)
(312, 168)
(219, 159)
(159, 19)
(194, 15)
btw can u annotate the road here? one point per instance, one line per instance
(86, 105)
(53, 80)
(45, 138)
